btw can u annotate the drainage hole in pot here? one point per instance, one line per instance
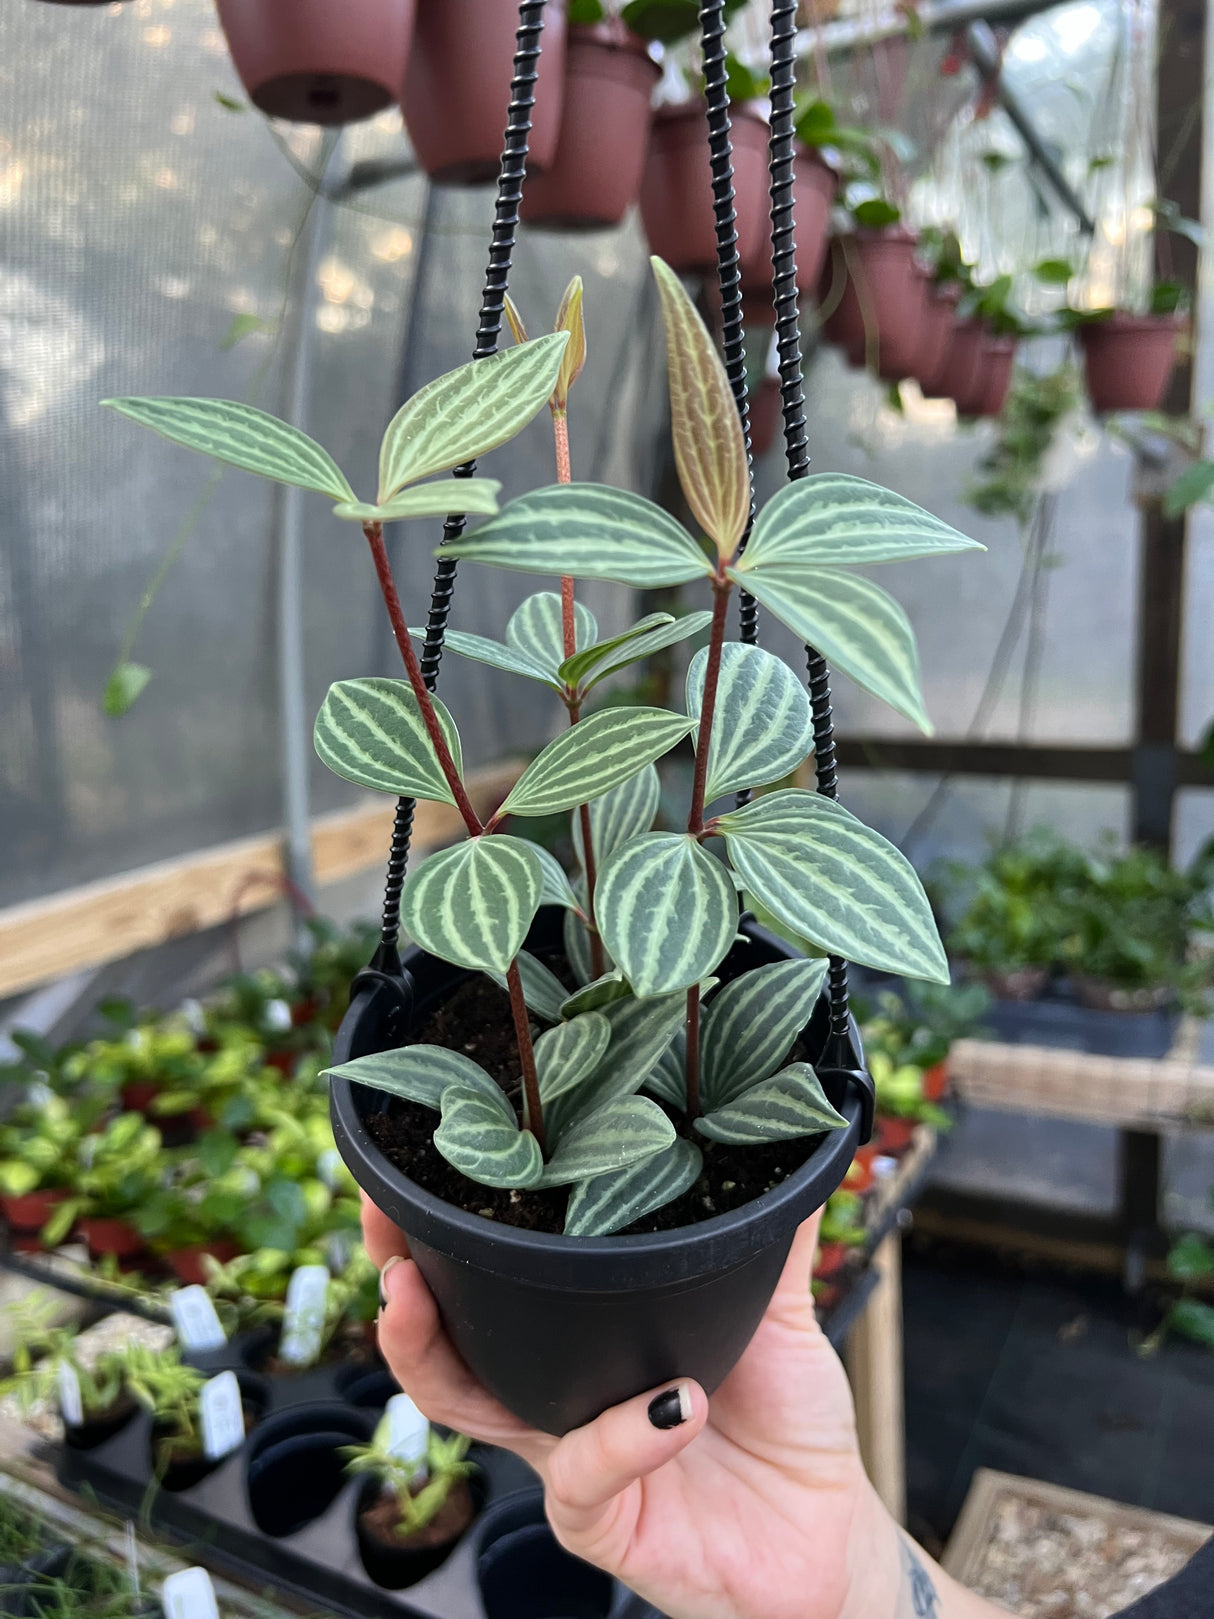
(370, 1387)
(295, 1469)
(179, 1461)
(394, 1562)
(524, 1573)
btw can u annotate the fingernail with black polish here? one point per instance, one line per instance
(383, 1291)
(671, 1408)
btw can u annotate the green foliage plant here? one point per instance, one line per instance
(663, 906)
(419, 1499)
(41, 1345)
(1015, 904)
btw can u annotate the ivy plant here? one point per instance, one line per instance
(650, 915)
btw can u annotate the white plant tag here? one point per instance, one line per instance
(408, 1433)
(222, 1416)
(303, 1324)
(198, 1326)
(339, 1248)
(278, 1016)
(189, 1595)
(71, 1404)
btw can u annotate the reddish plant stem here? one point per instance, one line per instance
(533, 1110)
(693, 1052)
(387, 585)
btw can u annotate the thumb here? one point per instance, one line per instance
(591, 1473)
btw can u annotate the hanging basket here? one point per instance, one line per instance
(886, 291)
(996, 356)
(595, 176)
(939, 315)
(676, 192)
(314, 62)
(958, 377)
(814, 184)
(1128, 360)
(764, 416)
(457, 88)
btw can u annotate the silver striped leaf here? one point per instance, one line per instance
(242, 436)
(592, 997)
(481, 649)
(473, 497)
(790, 1103)
(577, 947)
(542, 990)
(468, 412)
(557, 888)
(833, 880)
(568, 1054)
(831, 518)
(536, 630)
(371, 731)
(762, 728)
(476, 1140)
(667, 911)
(585, 669)
(424, 1074)
(611, 1137)
(593, 756)
(856, 626)
(623, 813)
(610, 1202)
(473, 904)
(668, 1078)
(588, 531)
(640, 1033)
(750, 1025)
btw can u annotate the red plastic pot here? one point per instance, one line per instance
(960, 374)
(32, 1210)
(885, 289)
(931, 356)
(813, 196)
(104, 1235)
(832, 1257)
(457, 87)
(860, 1176)
(993, 378)
(676, 191)
(138, 1094)
(1128, 360)
(764, 416)
(893, 1135)
(595, 175)
(318, 63)
(935, 1081)
(187, 1264)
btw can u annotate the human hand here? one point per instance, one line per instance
(755, 1506)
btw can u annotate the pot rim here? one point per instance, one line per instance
(1125, 324)
(611, 34)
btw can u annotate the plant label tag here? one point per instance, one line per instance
(303, 1324)
(408, 1434)
(278, 1016)
(189, 1595)
(339, 1249)
(71, 1405)
(194, 1317)
(221, 1415)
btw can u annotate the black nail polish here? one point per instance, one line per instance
(383, 1297)
(666, 1409)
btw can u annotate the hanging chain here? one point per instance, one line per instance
(792, 395)
(493, 299)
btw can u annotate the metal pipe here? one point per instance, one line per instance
(933, 15)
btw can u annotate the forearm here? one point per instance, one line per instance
(893, 1578)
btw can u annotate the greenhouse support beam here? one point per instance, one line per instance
(936, 16)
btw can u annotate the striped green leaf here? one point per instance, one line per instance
(709, 449)
(668, 1079)
(468, 412)
(372, 732)
(829, 519)
(762, 727)
(853, 623)
(542, 990)
(243, 436)
(536, 630)
(577, 947)
(480, 1143)
(612, 986)
(472, 905)
(557, 887)
(588, 531)
(592, 757)
(610, 1202)
(830, 878)
(640, 1033)
(471, 496)
(585, 669)
(750, 1026)
(482, 650)
(667, 911)
(623, 813)
(612, 1137)
(424, 1074)
(568, 1054)
(791, 1103)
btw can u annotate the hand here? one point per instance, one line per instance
(755, 1506)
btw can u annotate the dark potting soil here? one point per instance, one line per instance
(476, 1021)
(450, 1521)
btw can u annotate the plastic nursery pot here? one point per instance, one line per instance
(935, 1081)
(559, 1328)
(1099, 995)
(960, 375)
(880, 314)
(394, 1562)
(137, 1095)
(104, 1235)
(189, 1265)
(935, 341)
(893, 1135)
(595, 174)
(314, 62)
(676, 191)
(95, 1430)
(457, 87)
(32, 1210)
(1016, 983)
(1128, 360)
(524, 1573)
(368, 1387)
(178, 1467)
(813, 196)
(295, 1470)
(996, 358)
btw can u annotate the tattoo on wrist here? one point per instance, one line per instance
(917, 1596)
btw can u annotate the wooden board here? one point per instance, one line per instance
(105, 921)
(873, 1357)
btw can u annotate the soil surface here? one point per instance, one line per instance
(450, 1521)
(477, 1022)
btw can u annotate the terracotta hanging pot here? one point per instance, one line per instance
(457, 87)
(1128, 360)
(939, 315)
(676, 191)
(813, 196)
(885, 290)
(595, 176)
(318, 63)
(958, 377)
(992, 376)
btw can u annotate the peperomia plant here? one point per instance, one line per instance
(652, 914)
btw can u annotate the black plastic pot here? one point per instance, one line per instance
(192, 1469)
(524, 1573)
(22, 1583)
(398, 1566)
(560, 1328)
(295, 1469)
(96, 1430)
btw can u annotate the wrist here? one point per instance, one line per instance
(874, 1561)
